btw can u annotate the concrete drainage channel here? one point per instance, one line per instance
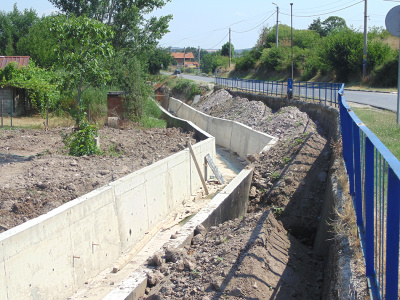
(231, 202)
(62, 234)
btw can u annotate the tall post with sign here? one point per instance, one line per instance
(392, 22)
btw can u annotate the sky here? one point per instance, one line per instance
(206, 23)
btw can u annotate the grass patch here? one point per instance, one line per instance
(383, 124)
(152, 115)
(36, 122)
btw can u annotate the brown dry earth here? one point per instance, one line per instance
(37, 175)
(268, 253)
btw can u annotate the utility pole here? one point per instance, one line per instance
(291, 32)
(365, 40)
(277, 23)
(230, 49)
(199, 59)
(184, 58)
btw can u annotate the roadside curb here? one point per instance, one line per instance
(353, 90)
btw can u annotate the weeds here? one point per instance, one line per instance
(275, 176)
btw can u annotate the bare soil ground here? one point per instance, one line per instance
(268, 253)
(37, 175)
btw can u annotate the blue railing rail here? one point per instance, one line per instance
(316, 91)
(374, 178)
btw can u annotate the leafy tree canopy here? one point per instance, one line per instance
(127, 19)
(13, 26)
(158, 59)
(225, 49)
(39, 43)
(328, 26)
(83, 45)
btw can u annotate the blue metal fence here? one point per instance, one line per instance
(374, 177)
(316, 91)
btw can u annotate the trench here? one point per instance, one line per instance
(312, 238)
(311, 230)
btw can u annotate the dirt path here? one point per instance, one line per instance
(37, 175)
(267, 254)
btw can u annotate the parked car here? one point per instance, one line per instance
(177, 71)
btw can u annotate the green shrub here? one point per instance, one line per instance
(82, 142)
(386, 74)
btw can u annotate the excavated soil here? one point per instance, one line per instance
(37, 175)
(268, 253)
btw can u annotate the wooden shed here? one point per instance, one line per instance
(14, 101)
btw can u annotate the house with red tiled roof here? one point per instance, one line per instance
(185, 59)
(14, 101)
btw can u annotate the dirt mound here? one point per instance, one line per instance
(38, 176)
(285, 123)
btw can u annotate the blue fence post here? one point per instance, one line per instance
(306, 90)
(357, 174)
(369, 207)
(392, 236)
(313, 91)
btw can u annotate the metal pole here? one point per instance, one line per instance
(184, 58)
(277, 24)
(199, 59)
(230, 49)
(291, 31)
(1, 112)
(398, 91)
(365, 40)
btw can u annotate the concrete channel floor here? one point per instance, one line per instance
(229, 165)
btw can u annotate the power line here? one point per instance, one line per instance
(308, 9)
(325, 13)
(255, 26)
(220, 41)
(215, 30)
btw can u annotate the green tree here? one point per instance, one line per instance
(334, 24)
(40, 42)
(129, 19)
(157, 59)
(128, 74)
(13, 26)
(328, 26)
(208, 62)
(225, 49)
(83, 45)
(317, 26)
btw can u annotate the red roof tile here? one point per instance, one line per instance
(180, 55)
(21, 60)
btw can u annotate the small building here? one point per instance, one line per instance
(185, 59)
(14, 101)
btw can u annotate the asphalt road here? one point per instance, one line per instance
(382, 100)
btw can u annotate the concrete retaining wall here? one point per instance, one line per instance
(53, 255)
(230, 203)
(246, 140)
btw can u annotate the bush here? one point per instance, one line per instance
(82, 142)
(343, 52)
(187, 87)
(386, 74)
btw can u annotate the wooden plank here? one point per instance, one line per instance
(214, 168)
(198, 168)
